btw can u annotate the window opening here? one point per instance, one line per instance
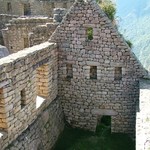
(9, 8)
(64, 5)
(53, 5)
(118, 73)
(27, 9)
(93, 72)
(42, 84)
(89, 33)
(69, 71)
(26, 44)
(23, 98)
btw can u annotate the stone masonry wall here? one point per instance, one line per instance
(36, 7)
(46, 7)
(19, 94)
(41, 33)
(143, 117)
(84, 98)
(44, 132)
(17, 31)
(16, 7)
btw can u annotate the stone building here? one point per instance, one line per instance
(32, 7)
(83, 72)
(97, 74)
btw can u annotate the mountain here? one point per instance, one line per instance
(133, 17)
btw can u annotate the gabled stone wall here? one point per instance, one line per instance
(84, 98)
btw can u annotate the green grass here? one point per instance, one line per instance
(77, 139)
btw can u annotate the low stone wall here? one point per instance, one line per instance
(43, 133)
(19, 94)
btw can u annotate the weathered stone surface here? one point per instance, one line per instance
(75, 72)
(142, 117)
(106, 51)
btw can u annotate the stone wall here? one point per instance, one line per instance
(42, 33)
(16, 7)
(17, 31)
(85, 97)
(46, 7)
(44, 132)
(143, 117)
(21, 102)
(33, 7)
(4, 19)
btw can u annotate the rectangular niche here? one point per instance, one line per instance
(118, 73)
(3, 122)
(26, 42)
(93, 72)
(23, 98)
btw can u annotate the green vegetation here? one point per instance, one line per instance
(129, 43)
(77, 139)
(134, 25)
(90, 33)
(109, 8)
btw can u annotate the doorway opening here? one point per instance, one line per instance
(27, 9)
(104, 125)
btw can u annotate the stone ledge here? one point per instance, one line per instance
(25, 52)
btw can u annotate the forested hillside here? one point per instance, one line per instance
(134, 23)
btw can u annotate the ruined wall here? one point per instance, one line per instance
(15, 7)
(4, 19)
(32, 7)
(41, 33)
(46, 7)
(143, 117)
(85, 95)
(17, 31)
(21, 101)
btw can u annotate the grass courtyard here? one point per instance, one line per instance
(77, 139)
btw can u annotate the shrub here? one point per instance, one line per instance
(129, 43)
(109, 8)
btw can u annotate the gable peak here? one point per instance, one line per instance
(86, 1)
